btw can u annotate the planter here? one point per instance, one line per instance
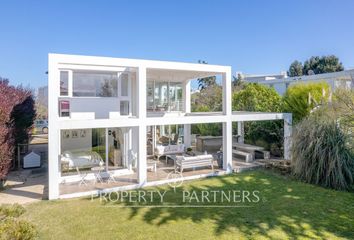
(220, 159)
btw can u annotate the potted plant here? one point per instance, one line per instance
(190, 151)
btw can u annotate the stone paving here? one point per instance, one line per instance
(25, 186)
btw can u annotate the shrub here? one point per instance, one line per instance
(260, 98)
(297, 95)
(17, 229)
(14, 210)
(13, 228)
(206, 129)
(320, 153)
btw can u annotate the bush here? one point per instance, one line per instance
(321, 154)
(260, 98)
(11, 227)
(14, 210)
(206, 129)
(16, 118)
(297, 95)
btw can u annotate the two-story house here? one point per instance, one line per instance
(118, 124)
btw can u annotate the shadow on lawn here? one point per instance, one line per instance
(287, 208)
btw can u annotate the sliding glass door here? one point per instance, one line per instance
(164, 96)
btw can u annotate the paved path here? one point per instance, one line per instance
(25, 186)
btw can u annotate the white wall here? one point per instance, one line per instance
(100, 105)
(79, 143)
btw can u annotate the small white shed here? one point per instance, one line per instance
(32, 160)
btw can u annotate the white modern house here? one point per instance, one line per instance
(281, 82)
(119, 124)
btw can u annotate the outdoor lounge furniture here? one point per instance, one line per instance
(209, 143)
(187, 162)
(246, 155)
(169, 149)
(249, 152)
(81, 159)
(82, 176)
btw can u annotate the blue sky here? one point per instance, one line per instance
(251, 36)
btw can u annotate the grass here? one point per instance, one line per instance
(287, 210)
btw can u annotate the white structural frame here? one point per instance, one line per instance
(141, 120)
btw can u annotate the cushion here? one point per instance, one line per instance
(173, 148)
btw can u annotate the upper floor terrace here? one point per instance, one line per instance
(111, 88)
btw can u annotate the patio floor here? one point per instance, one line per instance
(161, 173)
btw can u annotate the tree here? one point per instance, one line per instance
(237, 81)
(205, 82)
(260, 98)
(296, 98)
(324, 64)
(295, 69)
(17, 113)
(210, 97)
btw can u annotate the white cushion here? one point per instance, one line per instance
(173, 148)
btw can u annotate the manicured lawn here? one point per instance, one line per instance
(287, 210)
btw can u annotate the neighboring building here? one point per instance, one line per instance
(42, 96)
(111, 119)
(281, 82)
(42, 103)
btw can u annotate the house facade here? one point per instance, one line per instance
(281, 82)
(119, 124)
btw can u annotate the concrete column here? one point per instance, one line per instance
(241, 132)
(141, 83)
(227, 126)
(287, 135)
(227, 146)
(187, 135)
(227, 93)
(54, 131)
(142, 175)
(187, 109)
(187, 96)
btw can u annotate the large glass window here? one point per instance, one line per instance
(94, 84)
(86, 149)
(82, 149)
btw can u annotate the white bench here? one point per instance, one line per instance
(186, 162)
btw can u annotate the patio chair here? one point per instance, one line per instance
(97, 172)
(82, 177)
(110, 177)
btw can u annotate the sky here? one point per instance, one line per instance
(254, 37)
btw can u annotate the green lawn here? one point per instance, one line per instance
(287, 210)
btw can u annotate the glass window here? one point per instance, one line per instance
(150, 96)
(161, 96)
(93, 84)
(84, 149)
(124, 83)
(175, 96)
(124, 108)
(64, 82)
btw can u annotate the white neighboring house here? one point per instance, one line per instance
(109, 116)
(281, 81)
